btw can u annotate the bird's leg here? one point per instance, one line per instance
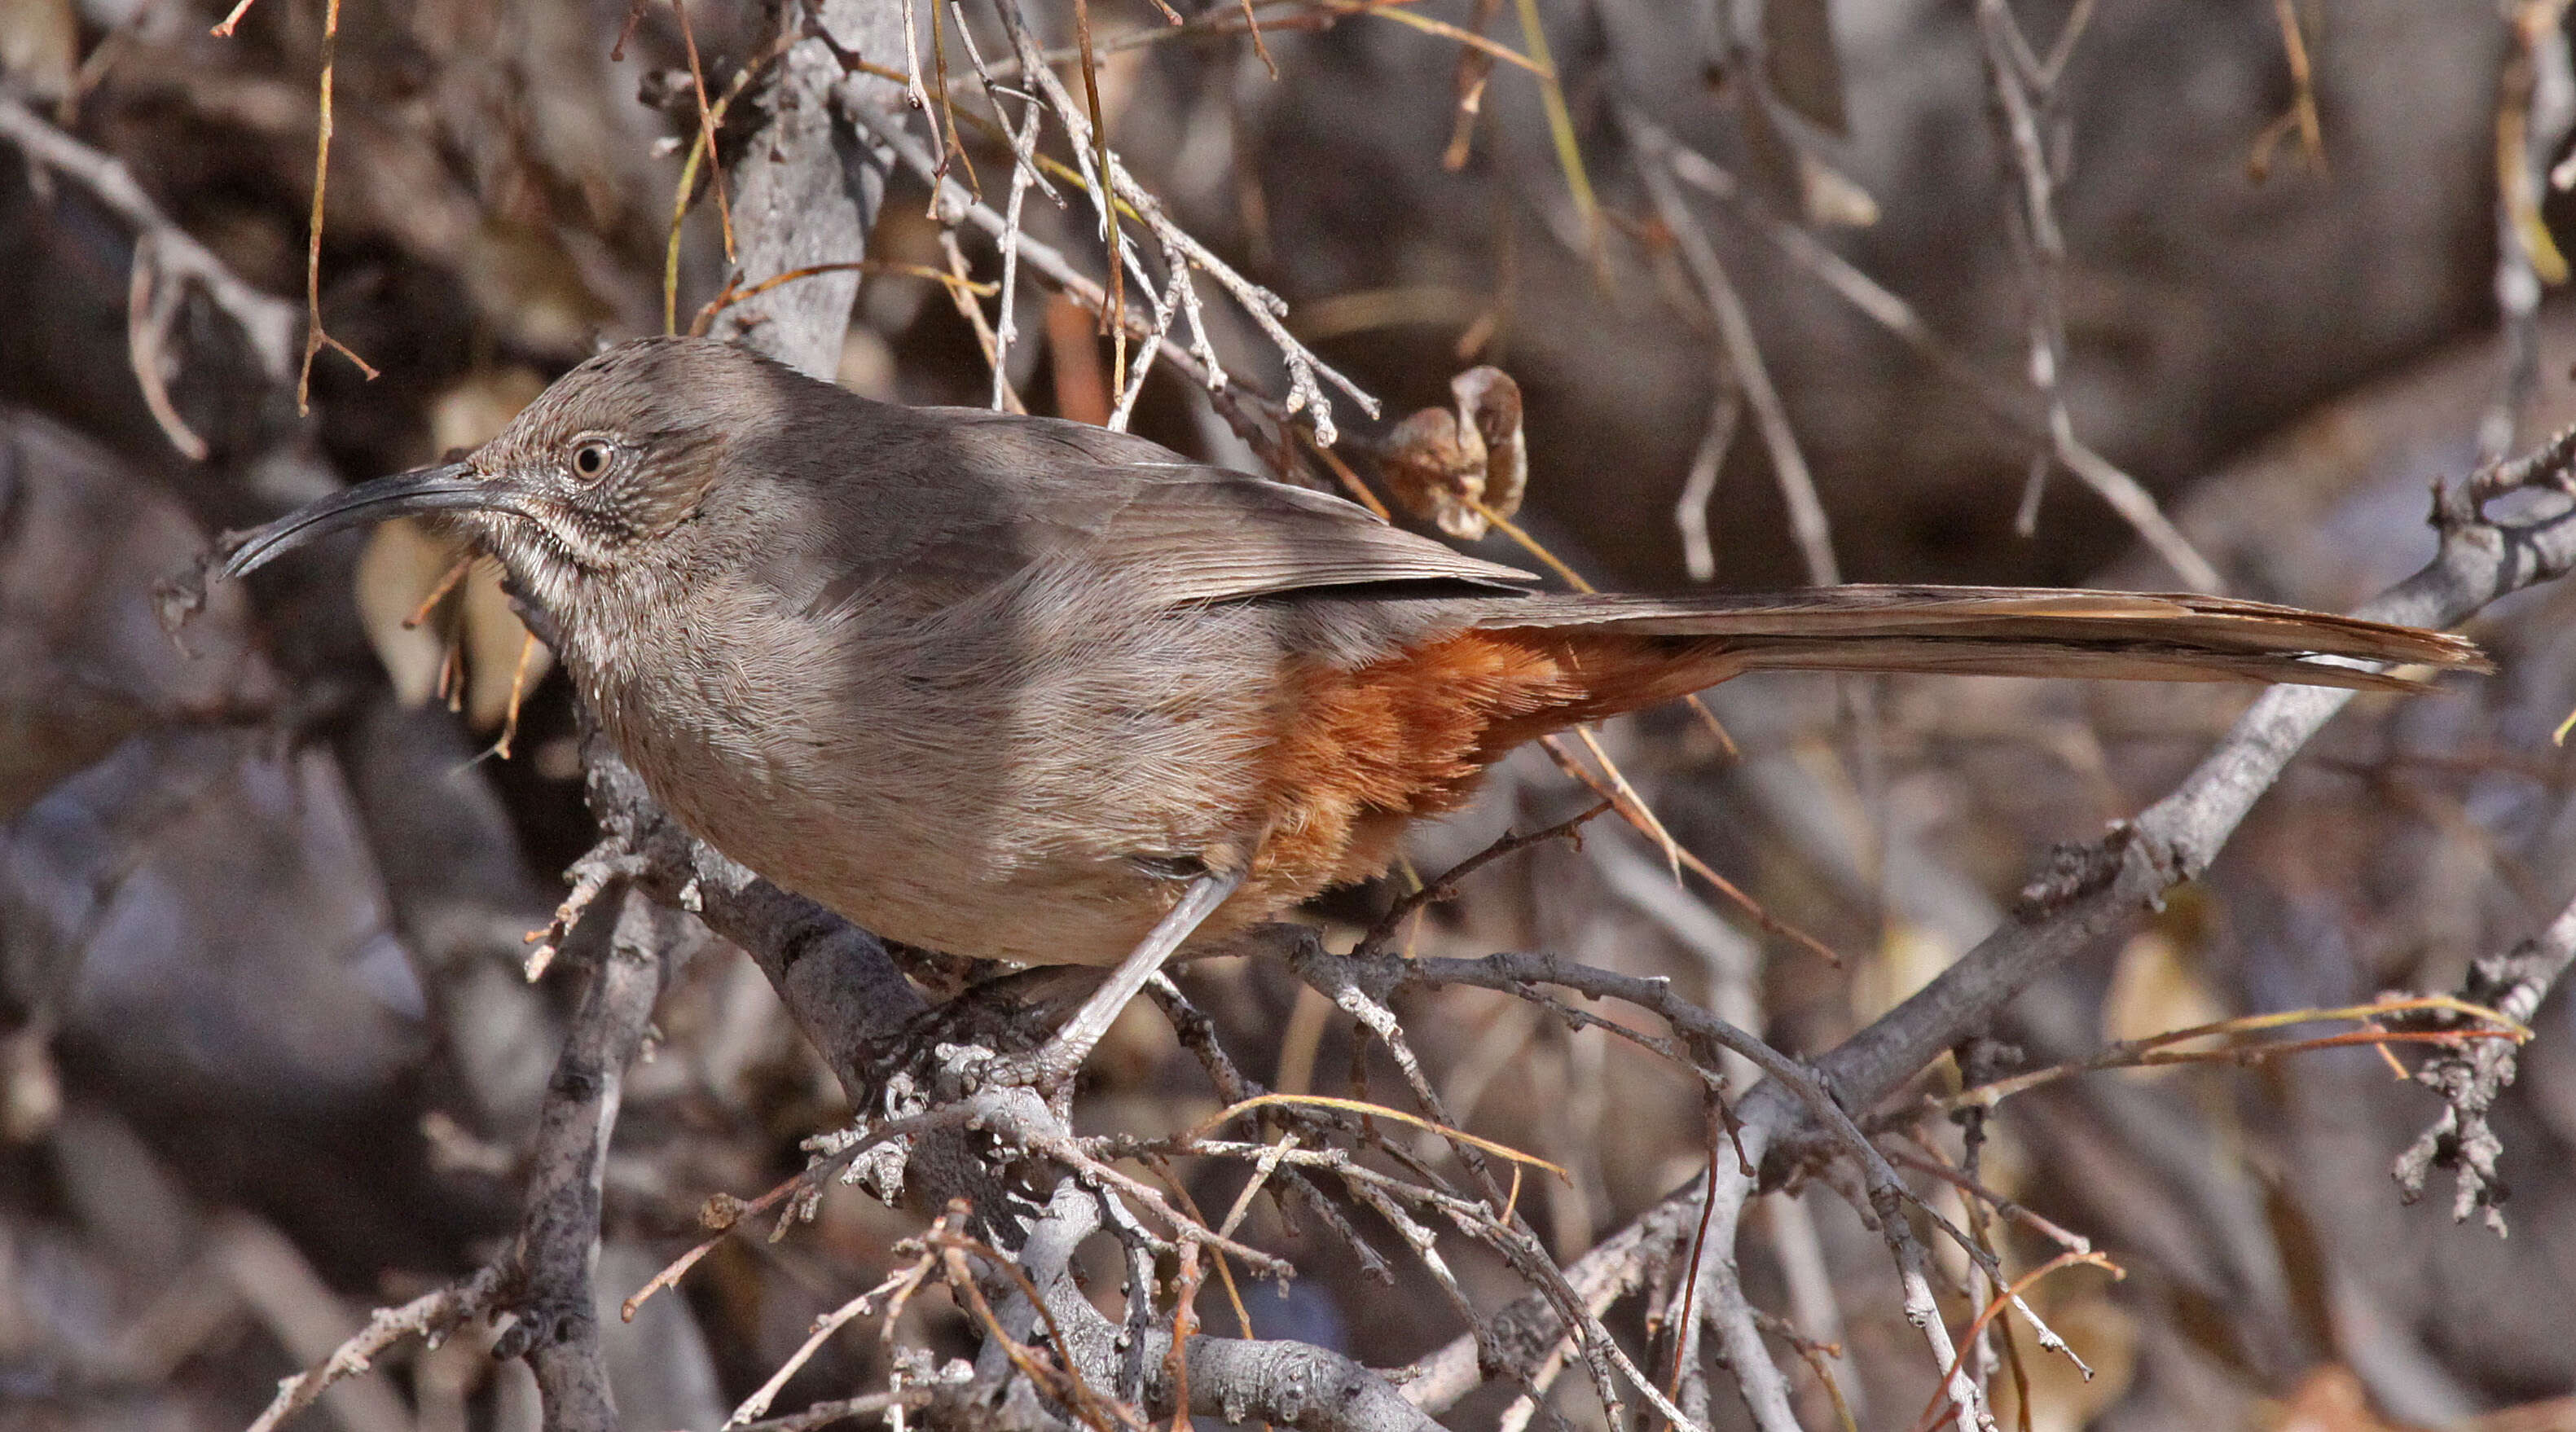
(1053, 1063)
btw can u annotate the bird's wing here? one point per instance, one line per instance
(1200, 534)
(1179, 532)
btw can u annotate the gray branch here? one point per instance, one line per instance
(805, 192)
(268, 322)
(558, 1320)
(2470, 1080)
(2089, 891)
(1287, 1384)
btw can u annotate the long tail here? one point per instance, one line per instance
(1409, 735)
(1638, 650)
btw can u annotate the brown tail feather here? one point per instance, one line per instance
(1372, 747)
(1972, 631)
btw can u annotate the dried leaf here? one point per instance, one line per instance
(1799, 59)
(1771, 158)
(1427, 471)
(1460, 469)
(403, 562)
(1834, 199)
(39, 46)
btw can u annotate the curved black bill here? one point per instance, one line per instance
(446, 488)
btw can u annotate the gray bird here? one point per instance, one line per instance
(1007, 686)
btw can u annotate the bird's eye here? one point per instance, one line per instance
(590, 459)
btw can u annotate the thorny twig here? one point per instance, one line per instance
(431, 1316)
(1024, 175)
(2003, 1298)
(1259, 420)
(1446, 887)
(757, 1404)
(1707, 1033)
(2003, 1207)
(1359, 986)
(2471, 1079)
(1182, 253)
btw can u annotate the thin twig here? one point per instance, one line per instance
(1024, 174)
(1445, 887)
(1743, 355)
(708, 119)
(2471, 1080)
(315, 339)
(175, 256)
(432, 1316)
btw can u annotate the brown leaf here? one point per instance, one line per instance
(1460, 469)
(1799, 59)
(404, 561)
(1771, 158)
(39, 46)
(1490, 401)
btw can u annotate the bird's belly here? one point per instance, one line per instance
(901, 886)
(939, 845)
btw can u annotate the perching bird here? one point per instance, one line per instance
(1007, 686)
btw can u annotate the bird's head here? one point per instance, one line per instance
(583, 486)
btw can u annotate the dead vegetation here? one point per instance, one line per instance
(1816, 1059)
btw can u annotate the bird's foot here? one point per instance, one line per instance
(1049, 1069)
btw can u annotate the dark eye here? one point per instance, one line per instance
(590, 459)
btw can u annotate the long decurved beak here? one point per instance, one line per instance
(450, 487)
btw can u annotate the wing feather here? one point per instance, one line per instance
(1135, 512)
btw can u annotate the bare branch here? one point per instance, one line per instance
(2470, 1080)
(2026, 99)
(1743, 353)
(432, 1315)
(558, 1319)
(166, 257)
(800, 200)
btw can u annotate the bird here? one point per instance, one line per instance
(1032, 690)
